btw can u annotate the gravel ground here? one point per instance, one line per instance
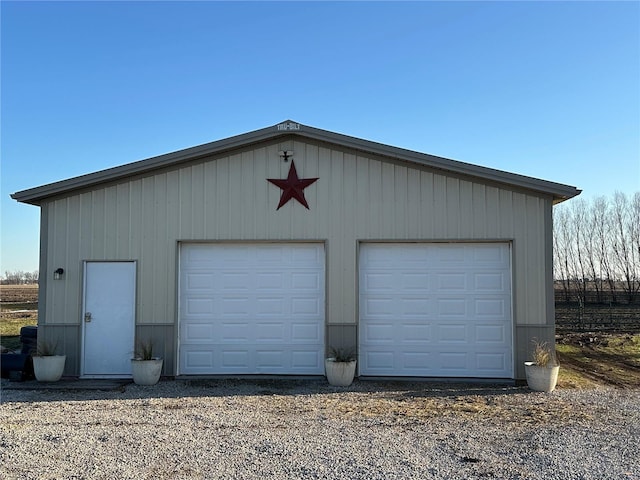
(261, 429)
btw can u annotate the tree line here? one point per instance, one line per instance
(19, 277)
(596, 249)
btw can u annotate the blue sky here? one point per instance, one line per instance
(545, 89)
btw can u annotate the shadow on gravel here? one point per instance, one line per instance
(390, 389)
(228, 387)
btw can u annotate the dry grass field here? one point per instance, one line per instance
(18, 307)
(587, 359)
(592, 359)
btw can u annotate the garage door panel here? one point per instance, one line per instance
(416, 361)
(309, 306)
(490, 307)
(235, 359)
(495, 255)
(234, 306)
(306, 332)
(451, 307)
(229, 360)
(380, 362)
(413, 281)
(487, 282)
(198, 360)
(377, 333)
(200, 281)
(251, 308)
(410, 306)
(405, 306)
(411, 362)
(198, 256)
(492, 362)
(435, 310)
(451, 333)
(267, 306)
(453, 361)
(234, 281)
(199, 333)
(305, 281)
(446, 255)
(199, 306)
(491, 334)
(434, 363)
(269, 331)
(267, 256)
(416, 333)
(233, 256)
(378, 307)
(305, 360)
(379, 282)
(233, 332)
(269, 281)
(269, 358)
(450, 282)
(306, 254)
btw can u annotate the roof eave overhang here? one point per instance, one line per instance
(34, 196)
(559, 192)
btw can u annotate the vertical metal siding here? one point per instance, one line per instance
(356, 198)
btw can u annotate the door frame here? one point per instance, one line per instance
(84, 308)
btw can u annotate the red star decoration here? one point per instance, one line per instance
(292, 187)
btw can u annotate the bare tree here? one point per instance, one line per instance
(634, 233)
(18, 277)
(561, 239)
(597, 245)
(623, 247)
(13, 278)
(597, 248)
(579, 248)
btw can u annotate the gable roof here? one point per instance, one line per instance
(34, 196)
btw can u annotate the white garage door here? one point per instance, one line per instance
(436, 310)
(251, 308)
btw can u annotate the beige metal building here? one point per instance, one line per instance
(256, 253)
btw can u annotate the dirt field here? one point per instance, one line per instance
(19, 293)
(618, 318)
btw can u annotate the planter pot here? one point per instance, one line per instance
(146, 372)
(541, 379)
(339, 374)
(48, 368)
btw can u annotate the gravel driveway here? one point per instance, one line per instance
(224, 429)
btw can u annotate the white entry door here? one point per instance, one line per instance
(108, 319)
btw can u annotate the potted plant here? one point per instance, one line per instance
(542, 372)
(146, 368)
(47, 365)
(340, 367)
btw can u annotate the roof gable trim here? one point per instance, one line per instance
(34, 196)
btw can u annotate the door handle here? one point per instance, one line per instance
(87, 317)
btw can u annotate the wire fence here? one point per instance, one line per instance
(601, 311)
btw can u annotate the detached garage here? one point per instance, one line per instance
(255, 254)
